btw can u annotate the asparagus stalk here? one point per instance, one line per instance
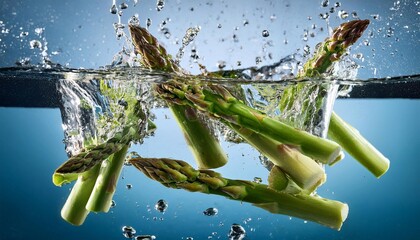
(305, 172)
(178, 174)
(106, 183)
(218, 102)
(204, 146)
(357, 146)
(87, 159)
(350, 139)
(74, 210)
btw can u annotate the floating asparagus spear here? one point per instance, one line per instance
(205, 147)
(326, 54)
(178, 174)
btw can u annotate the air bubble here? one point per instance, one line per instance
(161, 205)
(211, 212)
(128, 231)
(237, 232)
(113, 204)
(325, 3)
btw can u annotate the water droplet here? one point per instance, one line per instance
(332, 10)
(161, 205)
(273, 17)
(23, 62)
(23, 34)
(337, 4)
(366, 42)
(390, 32)
(134, 21)
(113, 9)
(257, 180)
(245, 22)
(375, 16)
(189, 238)
(324, 15)
(122, 102)
(258, 60)
(35, 44)
(285, 41)
(148, 23)
(354, 15)
(221, 64)
(39, 31)
(237, 232)
(159, 5)
(129, 186)
(211, 212)
(166, 32)
(128, 231)
(145, 237)
(343, 14)
(325, 3)
(306, 50)
(113, 204)
(219, 25)
(135, 2)
(123, 5)
(265, 33)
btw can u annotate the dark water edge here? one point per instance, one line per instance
(34, 87)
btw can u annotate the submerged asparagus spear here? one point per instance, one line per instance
(204, 146)
(178, 174)
(326, 54)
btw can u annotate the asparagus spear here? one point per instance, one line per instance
(204, 146)
(178, 174)
(97, 168)
(218, 102)
(326, 54)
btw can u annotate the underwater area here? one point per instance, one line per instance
(80, 79)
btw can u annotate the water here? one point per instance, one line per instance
(36, 148)
(48, 112)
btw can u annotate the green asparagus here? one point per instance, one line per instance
(326, 54)
(178, 174)
(218, 102)
(204, 146)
